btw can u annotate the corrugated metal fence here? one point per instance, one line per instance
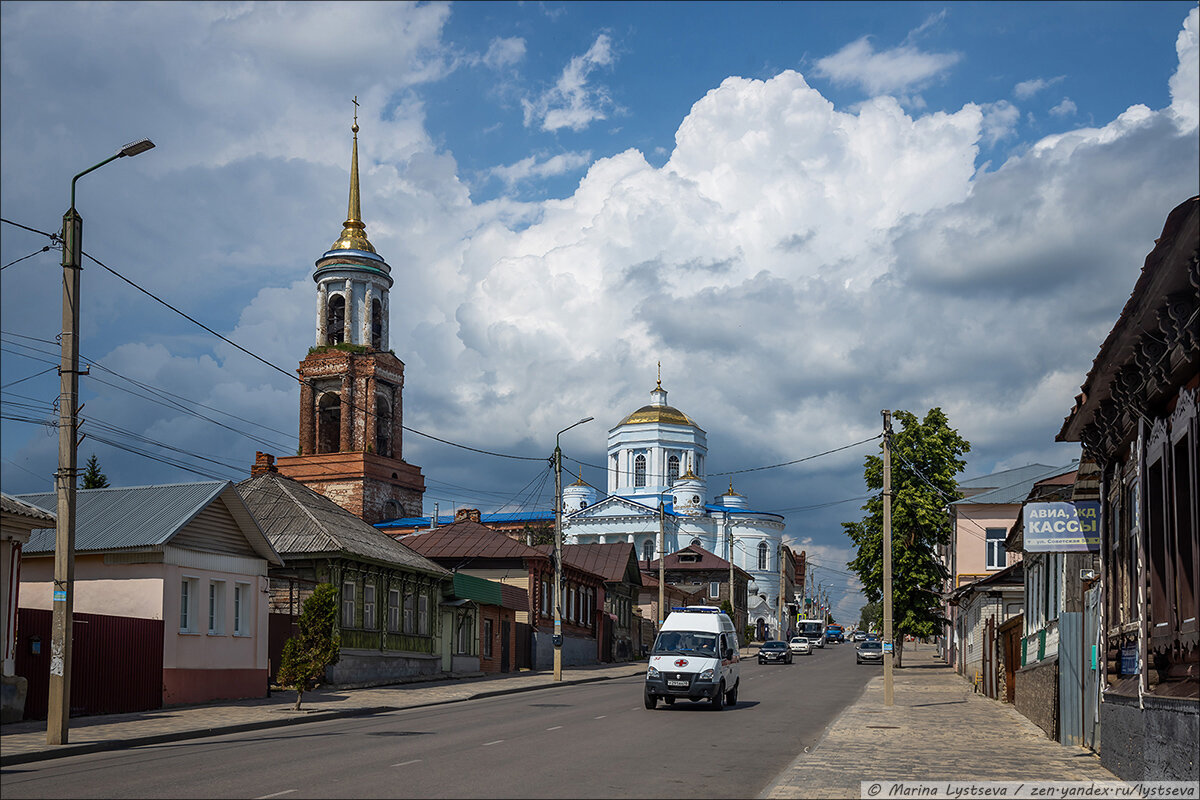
(116, 663)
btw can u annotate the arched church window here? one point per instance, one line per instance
(335, 320)
(672, 470)
(648, 550)
(329, 423)
(764, 554)
(639, 471)
(377, 324)
(391, 511)
(695, 542)
(383, 426)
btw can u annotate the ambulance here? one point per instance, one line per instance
(695, 657)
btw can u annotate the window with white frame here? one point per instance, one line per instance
(764, 555)
(995, 548)
(545, 598)
(189, 602)
(393, 614)
(465, 633)
(369, 605)
(423, 614)
(714, 588)
(639, 471)
(348, 602)
(410, 621)
(648, 550)
(216, 607)
(241, 609)
(672, 470)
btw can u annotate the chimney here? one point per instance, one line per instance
(263, 463)
(467, 513)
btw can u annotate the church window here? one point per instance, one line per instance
(695, 542)
(672, 470)
(383, 426)
(377, 324)
(329, 423)
(335, 320)
(639, 471)
(764, 554)
(648, 550)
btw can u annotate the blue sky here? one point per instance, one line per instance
(808, 212)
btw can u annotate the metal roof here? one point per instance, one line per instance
(11, 505)
(448, 519)
(298, 521)
(467, 539)
(615, 561)
(123, 518)
(1017, 486)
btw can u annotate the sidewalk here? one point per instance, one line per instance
(24, 742)
(937, 729)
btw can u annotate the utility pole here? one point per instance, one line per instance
(888, 644)
(63, 599)
(558, 634)
(662, 566)
(732, 596)
(782, 607)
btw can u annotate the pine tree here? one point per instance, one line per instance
(92, 477)
(315, 647)
(926, 457)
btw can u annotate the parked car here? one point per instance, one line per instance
(799, 644)
(775, 652)
(869, 652)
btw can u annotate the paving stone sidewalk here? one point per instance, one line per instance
(24, 742)
(938, 729)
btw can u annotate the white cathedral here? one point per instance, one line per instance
(658, 454)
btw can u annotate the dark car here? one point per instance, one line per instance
(777, 652)
(869, 652)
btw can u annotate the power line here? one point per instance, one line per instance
(22, 258)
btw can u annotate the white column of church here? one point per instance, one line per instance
(348, 323)
(383, 306)
(368, 310)
(322, 310)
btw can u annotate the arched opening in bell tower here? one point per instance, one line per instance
(329, 423)
(383, 426)
(377, 324)
(335, 320)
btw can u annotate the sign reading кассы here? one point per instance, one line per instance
(1062, 527)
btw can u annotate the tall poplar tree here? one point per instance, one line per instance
(926, 458)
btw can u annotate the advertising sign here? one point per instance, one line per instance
(1062, 527)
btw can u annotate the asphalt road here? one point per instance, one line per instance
(591, 740)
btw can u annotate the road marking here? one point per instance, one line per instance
(556, 727)
(489, 744)
(406, 763)
(285, 791)
(602, 716)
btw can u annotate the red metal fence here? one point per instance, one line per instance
(116, 663)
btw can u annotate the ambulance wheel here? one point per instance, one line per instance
(651, 701)
(731, 695)
(718, 699)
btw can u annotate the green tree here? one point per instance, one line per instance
(926, 457)
(871, 616)
(539, 533)
(92, 477)
(315, 647)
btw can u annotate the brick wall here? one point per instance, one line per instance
(1037, 695)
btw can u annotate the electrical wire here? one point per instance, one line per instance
(22, 258)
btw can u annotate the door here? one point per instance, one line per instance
(1092, 682)
(505, 644)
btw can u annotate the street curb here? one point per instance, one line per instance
(66, 750)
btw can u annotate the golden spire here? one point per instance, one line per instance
(659, 386)
(354, 232)
(580, 481)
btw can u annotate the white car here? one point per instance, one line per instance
(799, 644)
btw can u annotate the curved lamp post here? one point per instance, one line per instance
(59, 708)
(558, 637)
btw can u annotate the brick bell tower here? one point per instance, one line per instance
(351, 408)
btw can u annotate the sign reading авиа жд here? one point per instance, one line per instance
(1062, 527)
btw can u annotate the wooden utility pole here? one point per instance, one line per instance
(782, 606)
(888, 645)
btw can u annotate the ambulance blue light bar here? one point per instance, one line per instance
(698, 609)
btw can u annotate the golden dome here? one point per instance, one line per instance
(668, 415)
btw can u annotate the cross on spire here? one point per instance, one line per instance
(355, 128)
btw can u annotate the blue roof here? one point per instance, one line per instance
(444, 519)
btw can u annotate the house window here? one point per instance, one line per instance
(995, 548)
(545, 598)
(465, 634)
(714, 588)
(369, 606)
(409, 622)
(648, 550)
(672, 470)
(487, 638)
(216, 607)
(393, 619)
(639, 471)
(241, 596)
(188, 600)
(764, 555)
(348, 604)
(423, 614)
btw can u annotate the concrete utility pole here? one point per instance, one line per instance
(662, 566)
(558, 503)
(59, 700)
(782, 607)
(888, 645)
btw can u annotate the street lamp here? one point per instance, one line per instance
(59, 710)
(558, 637)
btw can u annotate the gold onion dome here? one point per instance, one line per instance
(664, 414)
(354, 232)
